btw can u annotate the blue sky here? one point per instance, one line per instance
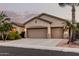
(50, 8)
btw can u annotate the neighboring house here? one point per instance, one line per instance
(45, 26)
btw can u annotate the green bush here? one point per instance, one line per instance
(13, 36)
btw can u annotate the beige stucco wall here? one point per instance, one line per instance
(37, 23)
(19, 29)
(55, 22)
(66, 34)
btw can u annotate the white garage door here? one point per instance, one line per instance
(37, 33)
(57, 32)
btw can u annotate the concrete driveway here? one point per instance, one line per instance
(32, 43)
(44, 44)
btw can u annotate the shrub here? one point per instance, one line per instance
(13, 35)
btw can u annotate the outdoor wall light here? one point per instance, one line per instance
(25, 29)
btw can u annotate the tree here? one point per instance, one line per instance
(72, 5)
(4, 26)
(77, 30)
(69, 27)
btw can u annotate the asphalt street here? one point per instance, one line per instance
(14, 51)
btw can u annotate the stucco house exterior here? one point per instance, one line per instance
(45, 26)
(18, 27)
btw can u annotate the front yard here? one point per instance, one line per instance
(63, 43)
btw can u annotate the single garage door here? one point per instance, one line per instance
(57, 32)
(37, 33)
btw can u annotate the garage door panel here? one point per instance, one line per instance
(37, 33)
(57, 33)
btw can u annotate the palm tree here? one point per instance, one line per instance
(77, 30)
(72, 5)
(68, 27)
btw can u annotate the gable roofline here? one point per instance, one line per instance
(19, 25)
(44, 20)
(38, 19)
(52, 16)
(29, 20)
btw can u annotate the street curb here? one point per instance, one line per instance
(75, 50)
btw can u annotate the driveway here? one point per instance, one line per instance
(43, 44)
(32, 43)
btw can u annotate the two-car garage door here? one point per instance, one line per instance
(37, 33)
(42, 33)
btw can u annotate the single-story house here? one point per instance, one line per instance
(45, 26)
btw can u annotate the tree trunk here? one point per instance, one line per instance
(3, 36)
(69, 35)
(73, 23)
(6, 36)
